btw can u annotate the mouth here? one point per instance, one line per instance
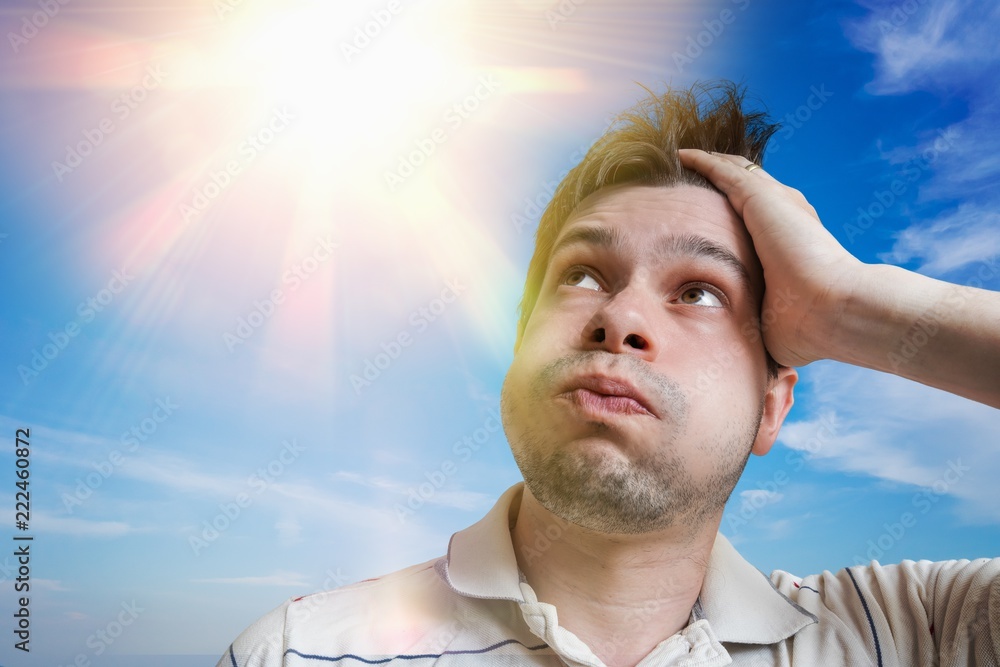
(607, 395)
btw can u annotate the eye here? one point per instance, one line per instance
(580, 278)
(700, 296)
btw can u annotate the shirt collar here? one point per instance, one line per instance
(481, 561)
(740, 603)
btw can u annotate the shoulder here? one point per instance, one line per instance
(261, 644)
(892, 585)
(916, 609)
(367, 617)
(418, 590)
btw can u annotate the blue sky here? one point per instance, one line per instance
(264, 215)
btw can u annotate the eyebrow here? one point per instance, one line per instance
(689, 245)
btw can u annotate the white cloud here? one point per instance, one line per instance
(46, 523)
(369, 481)
(83, 451)
(967, 236)
(969, 166)
(372, 526)
(290, 579)
(901, 432)
(49, 584)
(950, 49)
(289, 532)
(778, 529)
(760, 497)
(926, 44)
(180, 475)
(856, 451)
(62, 446)
(423, 489)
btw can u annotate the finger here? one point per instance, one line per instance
(730, 175)
(746, 165)
(757, 170)
(724, 171)
(732, 179)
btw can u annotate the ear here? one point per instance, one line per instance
(777, 402)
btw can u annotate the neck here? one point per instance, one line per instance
(620, 594)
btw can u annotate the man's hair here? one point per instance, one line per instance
(640, 148)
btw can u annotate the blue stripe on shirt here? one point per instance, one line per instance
(418, 656)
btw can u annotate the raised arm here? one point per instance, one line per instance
(826, 304)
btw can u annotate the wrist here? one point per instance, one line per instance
(828, 326)
(879, 303)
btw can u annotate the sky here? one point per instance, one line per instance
(260, 264)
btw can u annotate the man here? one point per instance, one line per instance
(661, 253)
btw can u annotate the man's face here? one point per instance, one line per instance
(635, 395)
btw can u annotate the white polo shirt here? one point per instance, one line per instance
(472, 607)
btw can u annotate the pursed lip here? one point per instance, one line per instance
(609, 386)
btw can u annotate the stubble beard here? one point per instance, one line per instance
(610, 493)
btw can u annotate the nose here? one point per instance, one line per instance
(622, 326)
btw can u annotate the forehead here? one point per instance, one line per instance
(648, 222)
(650, 211)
